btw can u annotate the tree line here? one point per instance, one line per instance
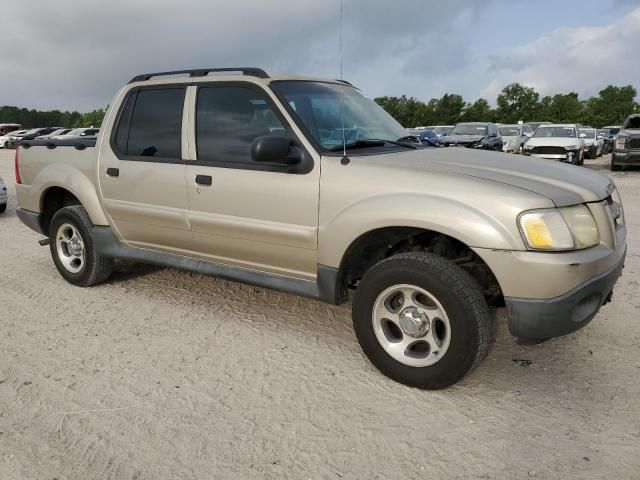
(516, 102)
(53, 118)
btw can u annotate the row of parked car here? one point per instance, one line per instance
(570, 143)
(12, 134)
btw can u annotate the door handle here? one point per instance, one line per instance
(205, 180)
(113, 172)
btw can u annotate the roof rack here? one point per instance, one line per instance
(344, 81)
(203, 72)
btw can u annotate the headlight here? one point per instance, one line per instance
(567, 228)
(572, 147)
(528, 147)
(617, 206)
(620, 143)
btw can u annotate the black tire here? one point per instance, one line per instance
(96, 268)
(460, 296)
(3, 208)
(615, 168)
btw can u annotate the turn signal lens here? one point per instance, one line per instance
(546, 230)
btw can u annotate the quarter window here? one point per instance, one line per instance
(151, 124)
(229, 119)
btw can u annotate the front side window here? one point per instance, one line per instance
(229, 119)
(334, 114)
(151, 124)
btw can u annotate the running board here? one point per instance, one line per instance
(325, 289)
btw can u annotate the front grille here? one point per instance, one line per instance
(634, 143)
(549, 151)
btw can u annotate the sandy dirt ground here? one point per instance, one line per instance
(160, 374)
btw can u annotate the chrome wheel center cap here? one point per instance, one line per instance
(74, 247)
(413, 322)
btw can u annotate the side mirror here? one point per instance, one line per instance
(273, 149)
(528, 134)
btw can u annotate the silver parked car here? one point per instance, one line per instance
(3, 196)
(514, 137)
(592, 142)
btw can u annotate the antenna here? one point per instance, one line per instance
(341, 39)
(344, 134)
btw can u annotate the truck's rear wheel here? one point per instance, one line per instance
(421, 320)
(73, 251)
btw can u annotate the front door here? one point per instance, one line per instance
(142, 172)
(243, 213)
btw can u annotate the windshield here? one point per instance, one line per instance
(549, 132)
(321, 108)
(589, 133)
(509, 130)
(469, 129)
(632, 123)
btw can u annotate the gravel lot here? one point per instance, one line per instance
(161, 374)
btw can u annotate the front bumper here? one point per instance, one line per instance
(622, 157)
(564, 157)
(549, 294)
(554, 317)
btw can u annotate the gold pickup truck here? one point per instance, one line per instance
(307, 186)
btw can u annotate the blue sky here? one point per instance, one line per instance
(74, 54)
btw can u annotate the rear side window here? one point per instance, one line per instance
(150, 124)
(228, 120)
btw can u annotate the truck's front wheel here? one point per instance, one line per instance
(73, 251)
(421, 320)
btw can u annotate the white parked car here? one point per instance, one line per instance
(3, 196)
(4, 139)
(514, 137)
(592, 143)
(556, 142)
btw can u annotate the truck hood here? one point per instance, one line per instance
(553, 141)
(563, 184)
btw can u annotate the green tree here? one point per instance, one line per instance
(90, 119)
(448, 109)
(478, 111)
(561, 108)
(408, 111)
(610, 107)
(517, 102)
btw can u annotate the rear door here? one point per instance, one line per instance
(243, 213)
(142, 172)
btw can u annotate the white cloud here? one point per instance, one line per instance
(582, 60)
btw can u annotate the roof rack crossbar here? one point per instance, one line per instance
(203, 72)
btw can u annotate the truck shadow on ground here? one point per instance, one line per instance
(508, 367)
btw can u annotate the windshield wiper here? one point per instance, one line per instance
(371, 142)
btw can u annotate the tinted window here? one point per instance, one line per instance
(228, 119)
(151, 124)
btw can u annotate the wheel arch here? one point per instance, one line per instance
(375, 245)
(56, 196)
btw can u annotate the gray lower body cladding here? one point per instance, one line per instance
(626, 157)
(554, 317)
